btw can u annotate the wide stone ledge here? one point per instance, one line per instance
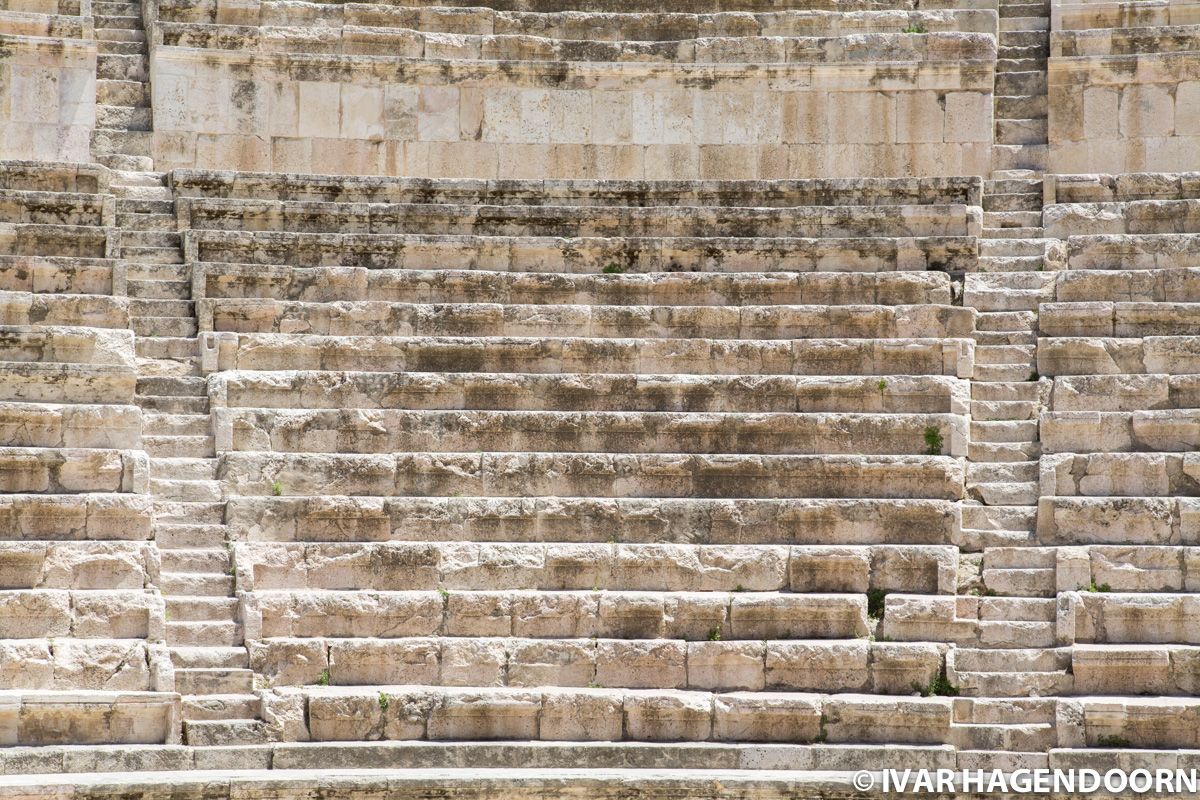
(35, 382)
(1128, 393)
(825, 666)
(591, 475)
(1130, 37)
(83, 717)
(443, 219)
(296, 390)
(1134, 286)
(111, 347)
(74, 470)
(1120, 320)
(967, 190)
(1177, 355)
(61, 275)
(389, 431)
(83, 310)
(75, 517)
(78, 565)
(582, 255)
(810, 357)
(1111, 669)
(74, 664)
(325, 284)
(1131, 618)
(81, 614)
(1122, 14)
(1171, 430)
(494, 320)
(53, 176)
(1077, 566)
(390, 40)
(374, 519)
(1130, 251)
(1075, 72)
(70, 426)
(1120, 474)
(1064, 521)
(535, 614)
(1123, 187)
(78, 241)
(45, 26)
(1136, 217)
(57, 208)
(397, 566)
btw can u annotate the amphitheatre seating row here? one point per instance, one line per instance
(82, 622)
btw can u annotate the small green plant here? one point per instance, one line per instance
(933, 441)
(875, 602)
(939, 686)
(323, 678)
(277, 488)
(1033, 376)
(1094, 587)
(456, 494)
(714, 633)
(739, 588)
(384, 702)
(594, 685)
(444, 592)
(1112, 740)
(613, 269)
(231, 570)
(915, 27)
(882, 385)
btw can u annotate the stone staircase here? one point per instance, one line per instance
(123, 116)
(1020, 97)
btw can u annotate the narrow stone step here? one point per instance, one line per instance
(1012, 219)
(1003, 410)
(211, 561)
(1023, 354)
(223, 658)
(122, 93)
(1020, 107)
(1013, 202)
(152, 255)
(131, 22)
(1011, 430)
(1030, 23)
(1004, 337)
(159, 272)
(186, 468)
(157, 424)
(124, 161)
(1024, 38)
(1013, 233)
(1020, 64)
(150, 239)
(205, 633)
(133, 35)
(1006, 321)
(179, 446)
(1004, 451)
(144, 205)
(200, 681)
(159, 290)
(1012, 246)
(173, 405)
(180, 535)
(188, 491)
(120, 47)
(166, 347)
(1010, 684)
(1025, 156)
(144, 307)
(221, 707)
(1000, 264)
(180, 387)
(122, 67)
(1040, 52)
(1006, 494)
(1008, 392)
(1003, 472)
(174, 327)
(228, 733)
(1024, 10)
(1021, 582)
(197, 584)
(1014, 84)
(138, 221)
(1021, 131)
(1016, 634)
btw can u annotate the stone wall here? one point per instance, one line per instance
(47, 93)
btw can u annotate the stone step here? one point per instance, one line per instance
(1006, 321)
(155, 194)
(123, 93)
(992, 737)
(1023, 354)
(152, 255)
(143, 221)
(125, 161)
(142, 307)
(1024, 10)
(183, 535)
(201, 681)
(196, 584)
(186, 491)
(190, 512)
(145, 205)
(159, 290)
(1027, 280)
(179, 446)
(1024, 156)
(201, 609)
(998, 410)
(157, 424)
(1012, 246)
(1013, 684)
(1003, 472)
(135, 35)
(1013, 219)
(1025, 201)
(123, 48)
(177, 387)
(222, 658)
(149, 239)
(1020, 64)
(221, 707)
(225, 733)
(130, 22)
(1002, 264)
(180, 273)
(168, 367)
(107, 142)
(1004, 337)
(1021, 582)
(1004, 451)
(1015, 84)
(1030, 23)
(193, 634)
(1012, 233)
(173, 327)
(1024, 38)
(184, 468)
(1006, 494)
(180, 347)
(1010, 431)
(1020, 107)
(173, 405)
(205, 560)
(1002, 298)
(1021, 131)
(1013, 661)
(1021, 390)
(127, 179)
(1010, 634)
(122, 67)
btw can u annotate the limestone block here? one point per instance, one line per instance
(385, 614)
(478, 715)
(472, 662)
(668, 716)
(818, 666)
(642, 664)
(35, 614)
(863, 718)
(777, 717)
(554, 663)
(406, 661)
(718, 665)
(584, 715)
(829, 569)
(898, 668)
(1112, 670)
(798, 616)
(541, 615)
(291, 662)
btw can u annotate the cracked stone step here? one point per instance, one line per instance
(122, 93)
(201, 681)
(179, 446)
(201, 609)
(119, 47)
(185, 535)
(1004, 431)
(158, 424)
(189, 491)
(1033, 106)
(1013, 233)
(1012, 219)
(159, 290)
(1001, 264)
(1013, 201)
(166, 347)
(1003, 410)
(213, 733)
(142, 221)
(1006, 321)
(1021, 493)
(221, 707)
(196, 584)
(223, 658)
(1024, 156)
(206, 560)
(179, 387)
(151, 255)
(993, 737)
(157, 272)
(1003, 472)
(1021, 582)
(1011, 246)
(1023, 354)
(1004, 451)
(991, 338)
(1021, 131)
(203, 633)
(1013, 390)
(1015, 84)
(173, 405)
(186, 469)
